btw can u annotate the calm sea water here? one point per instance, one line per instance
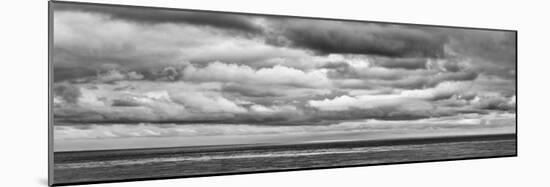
(95, 166)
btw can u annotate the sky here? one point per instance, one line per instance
(128, 77)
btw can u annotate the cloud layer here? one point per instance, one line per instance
(118, 65)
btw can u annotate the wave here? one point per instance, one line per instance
(255, 154)
(275, 154)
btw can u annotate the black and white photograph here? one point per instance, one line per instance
(149, 93)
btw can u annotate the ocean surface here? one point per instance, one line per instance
(113, 165)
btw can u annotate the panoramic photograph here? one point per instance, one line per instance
(147, 93)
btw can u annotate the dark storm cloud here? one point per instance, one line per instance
(492, 52)
(124, 103)
(76, 62)
(168, 73)
(496, 84)
(497, 47)
(403, 63)
(498, 105)
(149, 15)
(249, 91)
(360, 38)
(66, 73)
(69, 93)
(501, 103)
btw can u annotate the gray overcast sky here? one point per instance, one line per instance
(128, 66)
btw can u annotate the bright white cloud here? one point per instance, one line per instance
(145, 100)
(260, 109)
(222, 72)
(406, 98)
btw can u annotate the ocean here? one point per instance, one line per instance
(116, 165)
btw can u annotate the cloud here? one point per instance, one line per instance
(492, 52)
(106, 73)
(277, 75)
(250, 91)
(132, 101)
(114, 75)
(345, 75)
(125, 103)
(360, 38)
(407, 98)
(156, 16)
(85, 41)
(207, 103)
(495, 84)
(122, 65)
(94, 131)
(344, 70)
(402, 63)
(68, 92)
(146, 101)
(495, 102)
